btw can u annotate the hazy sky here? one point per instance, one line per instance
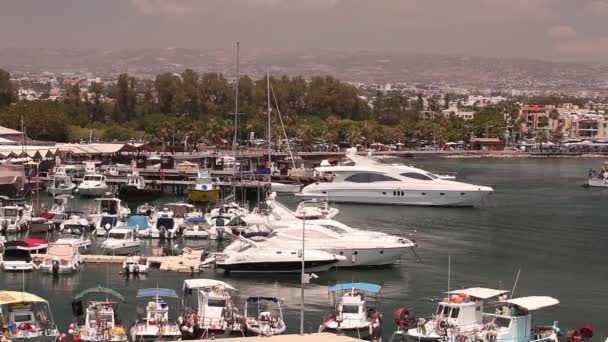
(547, 29)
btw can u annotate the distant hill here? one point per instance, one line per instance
(362, 66)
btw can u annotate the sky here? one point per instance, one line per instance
(575, 30)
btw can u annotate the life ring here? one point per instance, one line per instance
(204, 187)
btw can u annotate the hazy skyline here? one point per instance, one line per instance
(543, 29)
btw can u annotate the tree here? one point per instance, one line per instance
(7, 91)
(126, 99)
(169, 92)
(43, 120)
(97, 109)
(191, 92)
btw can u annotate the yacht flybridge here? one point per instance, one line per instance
(371, 182)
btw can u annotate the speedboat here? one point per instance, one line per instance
(166, 224)
(264, 316)
(121, 241)
(598, 178)
(99, 323)
(61, 184)
(135, 188)
(197, 229)
(183, 212)
(36, 245)
(141, 224)
(354, 310)
(26, 317)
(16, 257)
(254, 259)
(136, 265)
(93, 185)
(110, 210)
(74, 233)
(60, 259)
(315, 209)
(156, 326)
(374, 183)
(14, 218)
(53, 218)
(204, 189)
(209, 309)
(462, 310)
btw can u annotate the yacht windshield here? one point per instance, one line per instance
(334, 229)
(17, 255)
(218, 303)
(11, 212)
(115, 235)
(23, 317)
(165, 222)
(92, 178)
(416, 175)
(351, 309)
(369, 178)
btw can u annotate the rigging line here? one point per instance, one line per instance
(293, 161)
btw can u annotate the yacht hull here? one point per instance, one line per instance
(60, 191)
(392, 196)
(93, 192)
(278, 267)
(599, 183)
(122, 250)
(368, 257)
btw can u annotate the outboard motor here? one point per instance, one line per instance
(55, 266)
(163, 232)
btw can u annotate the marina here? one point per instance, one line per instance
(416, 281)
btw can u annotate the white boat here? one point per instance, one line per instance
(93, 185)
(285, 188)
(99, 323)
(354, 310)
(254, 259)
(26, 317)
(196, 230)
(16, 256)
(315, 209)
(156, 326)
(598, 178)
(146, 209)
(60, 259)
(466, 313)
(74, 232)
(121, 241)
(374, 183)
(110, 210)
(166, 225)
(264, 316)
(135, 264)
(15, 218)
(209, 309)
(183, 212)
(61, 184)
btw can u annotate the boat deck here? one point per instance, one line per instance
(317, 337)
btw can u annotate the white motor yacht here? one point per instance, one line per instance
(61, 184)
(93, 185)
(15, 218)
(196, 230)
(74, 232)
(30, 316)
(354, 310)
(60, 259)
(166, 225)
(121, 241)
(315, 209)
(16, 256)
(209, 309)
(110, 211)
(156, 326)
(136, 265)
(374, 183)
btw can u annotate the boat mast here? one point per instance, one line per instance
(303, 278)
(268, 110)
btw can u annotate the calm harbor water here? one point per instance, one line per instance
(540, 220)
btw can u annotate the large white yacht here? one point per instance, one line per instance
(368, 181)
(93, 185)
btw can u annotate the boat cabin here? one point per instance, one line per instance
(465, 307)
(99, 316)
(94, 178)
(121, 234)
(65, 170)
(61, 181)
(354, 306)
(26, 316)
(136, 181)
(109, 205)
(12, 213)
(203, 295)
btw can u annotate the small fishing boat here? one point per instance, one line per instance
(60, 259)
(61, 184)
(16, 257)
(93, 185)
(97, 321)
(135, 188)
(121, 241)
(204, 190)
(196, 229)
(264, 316)
(354, 310)
(209, 309)
(156, 326)
(26, 317)
(315, 209)
(74, 232)
(136, 265)
(15, 218)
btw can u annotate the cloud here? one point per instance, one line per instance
(561, 32)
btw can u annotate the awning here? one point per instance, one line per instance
(533, 302)
(156, 292)
(100, 289)
(198, 283)
(367, 287)
(13, 297)
(138, 220)
(479, 292)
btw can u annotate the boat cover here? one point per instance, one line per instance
(367, 287)
(479, 292)
(99, 289)
(12, 297)
(138, 220)
(156, 292)
(47, 216)
(533, 302)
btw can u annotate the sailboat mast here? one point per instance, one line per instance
(236, 99)
(269, 133)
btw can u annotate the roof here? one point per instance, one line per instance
(479, 292)
(482, 140)
(12, 297)
(6, 131)
(138, 220)
(100, 289)
(198, 283)
(374, 288)
(156, 292)
(533, 302)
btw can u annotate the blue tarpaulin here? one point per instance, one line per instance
(367, 287)
(154, 292)
(138, 220)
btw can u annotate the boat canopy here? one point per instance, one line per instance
(100, 289)
(255, 299)
(533, 302)
(156, 292)
(480, 292)
(367, 287)
(198, 283)
(140, 221)
(13, 297)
